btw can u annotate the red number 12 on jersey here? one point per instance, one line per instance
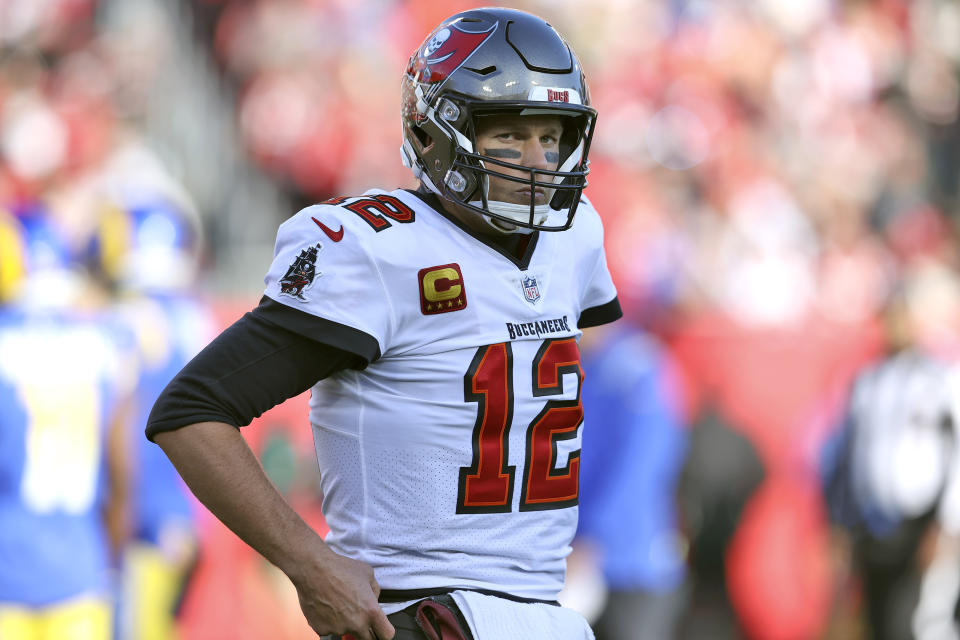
(487, 485)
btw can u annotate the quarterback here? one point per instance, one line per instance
(438, 330)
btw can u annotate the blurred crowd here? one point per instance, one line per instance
(765, 159)
(780, 188)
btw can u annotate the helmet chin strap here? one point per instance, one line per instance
(514, 211)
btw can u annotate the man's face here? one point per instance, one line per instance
(529, 141)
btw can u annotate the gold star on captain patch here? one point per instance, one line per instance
(449, 304)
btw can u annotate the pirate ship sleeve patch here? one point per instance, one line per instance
(338, 281)
(301, 273)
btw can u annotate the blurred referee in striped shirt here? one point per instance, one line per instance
(892, 472)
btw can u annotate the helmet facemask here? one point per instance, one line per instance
(466, 180)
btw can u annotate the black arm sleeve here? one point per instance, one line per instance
(251, 367)
(595, 316)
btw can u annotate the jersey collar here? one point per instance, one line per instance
(505, 248)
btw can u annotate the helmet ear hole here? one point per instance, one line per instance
(422, 137)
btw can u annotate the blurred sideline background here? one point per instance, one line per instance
(771, 176)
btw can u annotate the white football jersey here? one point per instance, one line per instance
(452, 459)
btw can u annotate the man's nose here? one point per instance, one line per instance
(535, 155)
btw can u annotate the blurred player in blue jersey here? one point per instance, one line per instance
(147, 251)
(630, 466)
(66, 376)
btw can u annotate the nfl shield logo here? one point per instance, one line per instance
(530, 289)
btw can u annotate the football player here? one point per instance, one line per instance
(66, 380)
(439, 330)
(146, 249)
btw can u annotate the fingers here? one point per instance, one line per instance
(382, 629)
(375, 625)
(342, 598)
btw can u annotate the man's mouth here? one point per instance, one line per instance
(525, 193)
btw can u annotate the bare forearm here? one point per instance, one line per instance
(337, 594)
(221, 470)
